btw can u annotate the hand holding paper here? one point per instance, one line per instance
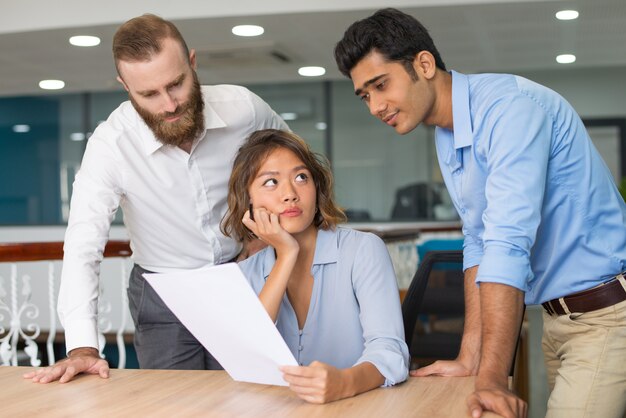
(218, 306)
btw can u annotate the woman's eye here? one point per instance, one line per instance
(270, 182)
(301, 177)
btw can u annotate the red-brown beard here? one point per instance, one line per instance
(186, 128)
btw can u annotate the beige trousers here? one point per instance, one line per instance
(585, 355)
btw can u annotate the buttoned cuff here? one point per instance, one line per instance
(505, 265)
(81, 333)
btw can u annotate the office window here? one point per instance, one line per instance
(302, 106)
(380, 176)
(42, 140)
(29, 163)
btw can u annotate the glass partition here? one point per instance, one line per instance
(29, 162)
(380, 176)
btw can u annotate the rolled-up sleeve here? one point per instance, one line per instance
(517, 153)
(376, 290)
(472, 250)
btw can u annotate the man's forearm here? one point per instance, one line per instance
(469, 354)
(501, 314)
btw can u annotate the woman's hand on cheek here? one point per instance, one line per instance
(266, 226)
(317, 383)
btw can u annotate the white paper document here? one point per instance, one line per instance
(218, 306)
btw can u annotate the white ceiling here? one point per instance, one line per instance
(510, 37)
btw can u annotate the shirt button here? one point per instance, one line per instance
(300, 348)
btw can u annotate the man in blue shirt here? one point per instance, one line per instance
(542, 219)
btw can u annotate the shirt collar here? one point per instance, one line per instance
(326, 247)
(326, 251)
(211, 121)
(461, 110)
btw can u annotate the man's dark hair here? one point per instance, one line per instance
(394, 34)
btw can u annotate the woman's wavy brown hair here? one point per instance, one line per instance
(247, 163)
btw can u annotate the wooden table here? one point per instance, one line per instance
(172, 393)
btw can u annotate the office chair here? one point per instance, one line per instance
(447, 299)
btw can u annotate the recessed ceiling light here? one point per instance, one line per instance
(311, 71)
(567, 15)
(321, 126)
(85, 40)
(77, 136)
(565, 58)
(51, 84)
(248, 30)
(21, 129)
(289, 116)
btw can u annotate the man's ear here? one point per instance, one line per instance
(192, 59)
(424, 64)
(119, 79)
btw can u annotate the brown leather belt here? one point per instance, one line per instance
(607, 294)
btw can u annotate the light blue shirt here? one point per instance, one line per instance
(540, 209)
(354, 315)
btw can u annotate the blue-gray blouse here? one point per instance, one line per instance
(354, 315)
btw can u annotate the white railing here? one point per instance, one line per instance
(29, 281)
(22, 295)
(404, 258)
(19, 313)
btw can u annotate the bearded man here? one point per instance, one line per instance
(164, 157)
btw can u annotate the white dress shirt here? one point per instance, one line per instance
(172, 201)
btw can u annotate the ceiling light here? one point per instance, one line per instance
(85, 40)
(289, 116)
(248, 30)
(311, 71)
(321, 126)
(565, 58)
(51, 84)
(21, 129)
(567, 15)
(77, 136)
